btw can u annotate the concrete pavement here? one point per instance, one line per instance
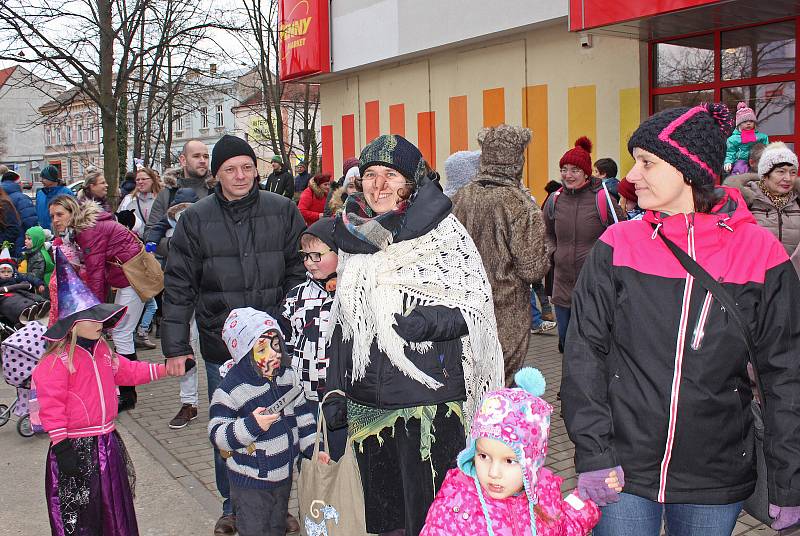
(164, 504)
(176, 494)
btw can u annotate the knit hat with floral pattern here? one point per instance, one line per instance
(693, 140)
(519, 418)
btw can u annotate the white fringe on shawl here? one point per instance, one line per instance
(443, 267)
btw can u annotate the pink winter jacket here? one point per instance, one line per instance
(84, 403)
(457, 510)
(102, 246)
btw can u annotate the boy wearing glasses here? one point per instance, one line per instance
(307, 308)
(260, 444)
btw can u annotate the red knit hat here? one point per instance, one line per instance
(579, 156)
(322, 178)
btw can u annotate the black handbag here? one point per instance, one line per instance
(757, 505)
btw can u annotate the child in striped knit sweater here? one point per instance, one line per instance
(260, 449)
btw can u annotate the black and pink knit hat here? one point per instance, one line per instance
(691, 139)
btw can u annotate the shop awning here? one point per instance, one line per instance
(655, 19)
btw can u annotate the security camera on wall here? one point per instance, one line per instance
(585, 41)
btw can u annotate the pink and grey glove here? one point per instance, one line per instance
(784, 516)
(592, 485)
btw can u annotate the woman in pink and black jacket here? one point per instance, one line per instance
(655, 379)
(104, 245)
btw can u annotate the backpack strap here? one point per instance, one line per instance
(550, 205)
(604, 204)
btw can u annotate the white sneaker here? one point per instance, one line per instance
(546, 325)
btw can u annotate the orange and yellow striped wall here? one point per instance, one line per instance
(442, 112)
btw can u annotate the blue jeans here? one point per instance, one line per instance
(636, 516)
(220, 470)
(536, 314)
(563, 315)
(150, 308)
(538, 288)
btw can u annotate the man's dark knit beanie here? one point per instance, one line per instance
(228, 147)
(692, 140)
(396, 152)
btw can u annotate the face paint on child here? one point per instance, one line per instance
(267, 353)
(498, 469)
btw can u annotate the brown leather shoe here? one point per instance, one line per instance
(292, 526)
(186, 414)
(226, 525)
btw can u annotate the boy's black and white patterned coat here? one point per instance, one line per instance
(259, 459)
(308, 309)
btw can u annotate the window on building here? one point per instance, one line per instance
(204, 117)
(80, 132)
(220, 116)
(684, 61)
(69, 133)
(755, 64)
(48, 136)
(92, 128)
(58, 135)
(758, 51)
(772, 103)
(687, 98)
(304, 135)
(179, 120)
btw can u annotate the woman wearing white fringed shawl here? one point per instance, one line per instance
(415, 341)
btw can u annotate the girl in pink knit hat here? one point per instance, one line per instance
(737, 157)
(500, 487)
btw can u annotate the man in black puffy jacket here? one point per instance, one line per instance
(235, 248)
(280, 181)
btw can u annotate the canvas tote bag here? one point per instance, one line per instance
(144, 274)
(331, 497)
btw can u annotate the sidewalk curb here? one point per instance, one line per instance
(208, 500)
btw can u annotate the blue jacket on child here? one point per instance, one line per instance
(255, 458)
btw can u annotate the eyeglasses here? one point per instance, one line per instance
(315, 256)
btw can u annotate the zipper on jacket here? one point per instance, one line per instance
(677, 373)
(99, 389)
(700, 326)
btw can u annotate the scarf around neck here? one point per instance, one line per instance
(441, 267)
(362, 222)
(779, 201)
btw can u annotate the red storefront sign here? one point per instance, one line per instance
(304, 38)
(587, 14)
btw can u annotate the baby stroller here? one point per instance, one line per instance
(20, 352)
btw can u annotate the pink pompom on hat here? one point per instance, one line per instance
(744, 113)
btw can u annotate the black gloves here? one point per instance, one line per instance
(66, 457)
(126, 218)
(431, 323)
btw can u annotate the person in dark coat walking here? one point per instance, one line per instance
(23, 204)
(302, 178)
(280, 181)
(236, 248)
(52, 187)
